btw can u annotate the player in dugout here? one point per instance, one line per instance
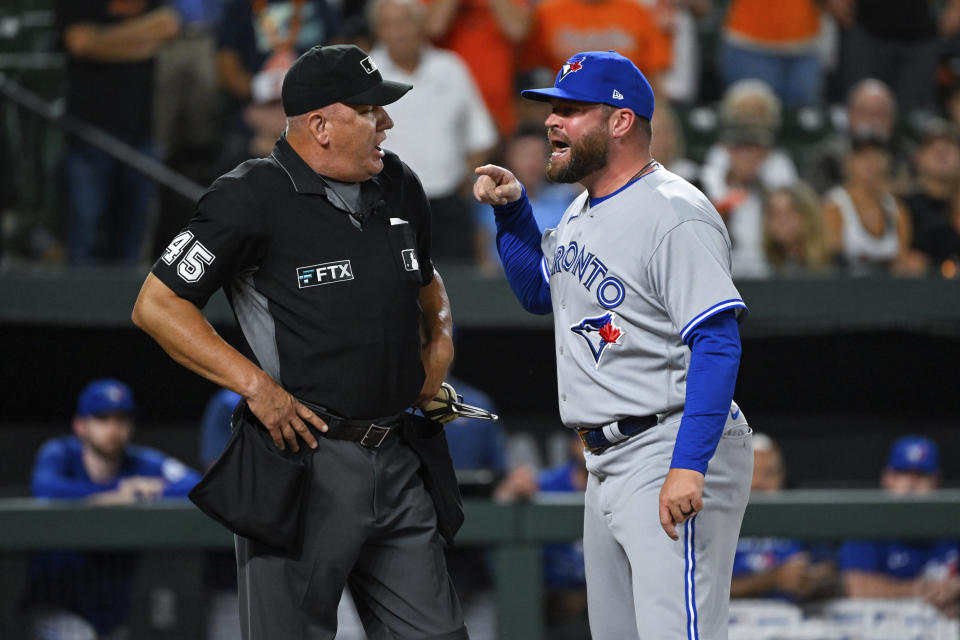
(906, 568)
(777, 567)
(81, 595)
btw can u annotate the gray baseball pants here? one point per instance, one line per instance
(641, 585)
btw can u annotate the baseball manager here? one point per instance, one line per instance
(637, 275)
(323, 249)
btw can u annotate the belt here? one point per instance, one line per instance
(369, 433)
(596, 441)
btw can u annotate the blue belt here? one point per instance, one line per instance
(597, 440)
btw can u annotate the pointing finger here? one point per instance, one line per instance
(491, 170)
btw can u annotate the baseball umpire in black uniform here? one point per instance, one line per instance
(323, 249)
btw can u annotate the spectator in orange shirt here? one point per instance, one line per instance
(678, 19)
(562, 26)
(774, 42)
(486, 34)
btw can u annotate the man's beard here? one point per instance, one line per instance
(585, 157)
(106, 453)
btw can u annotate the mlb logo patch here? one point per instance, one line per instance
(326, 273)
(368, 65)
(410, 262)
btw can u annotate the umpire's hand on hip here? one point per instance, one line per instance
(283, 416)
(681, 498)
(496, 185)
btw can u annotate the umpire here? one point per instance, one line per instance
(323, 250)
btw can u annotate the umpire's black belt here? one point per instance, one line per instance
(369, 433)
(599, 439)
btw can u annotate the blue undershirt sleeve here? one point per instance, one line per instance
(50, 480)
(182, 487)
(714, 361)
(518, 242)
(215, 426)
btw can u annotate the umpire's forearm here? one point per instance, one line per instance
(435, 306)
(437, 325)
(182, 331)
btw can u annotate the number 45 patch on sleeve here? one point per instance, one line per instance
(193, 262)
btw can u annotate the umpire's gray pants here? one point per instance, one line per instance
(640, 583)
(370, 525)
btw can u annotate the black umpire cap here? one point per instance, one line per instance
(337, 73)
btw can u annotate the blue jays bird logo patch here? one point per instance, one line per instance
(599, 332)
(570, 66)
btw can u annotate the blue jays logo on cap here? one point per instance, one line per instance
(606, 330)
(571, 65)
(604, 77)
(916, 454)
(105, 396)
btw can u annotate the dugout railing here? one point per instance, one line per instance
(514, 532)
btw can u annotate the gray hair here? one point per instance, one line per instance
(752, 102)
(872, 85)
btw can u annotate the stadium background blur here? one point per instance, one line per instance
(836, 364)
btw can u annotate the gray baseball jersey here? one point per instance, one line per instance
(629, 278)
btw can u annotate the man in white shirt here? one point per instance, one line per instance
(445, 129)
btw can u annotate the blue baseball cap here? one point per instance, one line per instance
(600, 76)
(916, 454)
(105, 396)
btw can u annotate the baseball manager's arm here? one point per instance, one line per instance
(518, 236)
(180, 328)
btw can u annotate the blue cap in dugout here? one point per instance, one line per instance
(600, 76)
(916, 454)
(105, 396)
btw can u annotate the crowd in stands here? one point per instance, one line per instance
(825, 132)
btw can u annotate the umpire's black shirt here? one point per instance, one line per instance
(328, 307)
